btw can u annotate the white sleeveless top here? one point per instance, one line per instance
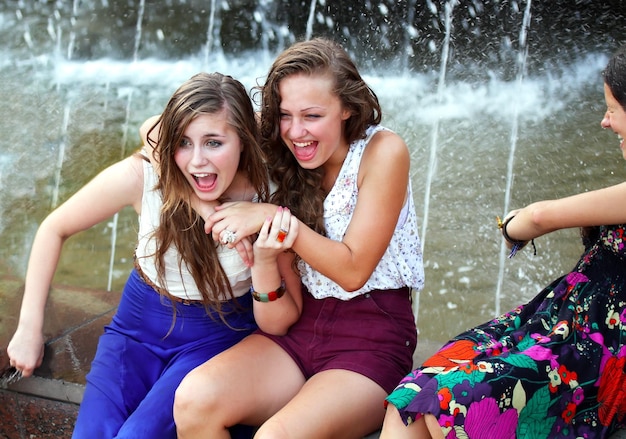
(402, 263)
(179, 282)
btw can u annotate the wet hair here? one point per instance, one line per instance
(614, 75)
(180, 226)
(301, 189)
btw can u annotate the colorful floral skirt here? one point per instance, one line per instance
(553, 368)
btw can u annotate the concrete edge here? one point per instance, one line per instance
(58, 390)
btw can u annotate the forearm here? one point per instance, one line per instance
(25, 348)
(275, 307)
(345, 267)
(532, 221)
(42, 264)
(265, 275)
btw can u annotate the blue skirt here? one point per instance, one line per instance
(144, 354)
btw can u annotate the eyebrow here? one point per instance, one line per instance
(312, 108)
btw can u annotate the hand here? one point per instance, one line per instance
(244, 218)
(244, 248)
(25, 352)
(277, 234)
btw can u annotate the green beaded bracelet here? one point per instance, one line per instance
(268, 297)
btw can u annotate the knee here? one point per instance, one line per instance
(192, 400)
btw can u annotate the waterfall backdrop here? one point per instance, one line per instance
(499, 101)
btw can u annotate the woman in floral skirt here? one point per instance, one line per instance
(554, 367)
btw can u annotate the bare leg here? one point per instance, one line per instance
(425, 427)
(245, 384)
(433, 426)
(333, 404)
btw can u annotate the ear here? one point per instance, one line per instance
(345, 114)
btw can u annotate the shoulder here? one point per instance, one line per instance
(385, 159)
(129, 172)
(386, 147)
(385, 135)
(135, 173)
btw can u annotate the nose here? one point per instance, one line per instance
(605, 122)
(296, 129)
(198, 156)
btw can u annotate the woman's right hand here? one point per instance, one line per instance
(25, 351)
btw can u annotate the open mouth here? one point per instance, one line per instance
(304, 150)
(205, 181)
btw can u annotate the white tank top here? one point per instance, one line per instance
(179, 281)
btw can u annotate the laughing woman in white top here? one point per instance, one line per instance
(188, 297)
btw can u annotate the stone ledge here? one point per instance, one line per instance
(56, 390)
(25, 417)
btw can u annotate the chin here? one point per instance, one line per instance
(204, 196)
(309, 164)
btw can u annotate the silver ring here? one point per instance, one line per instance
(228, 237)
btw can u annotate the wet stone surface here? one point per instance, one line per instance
(46, 405)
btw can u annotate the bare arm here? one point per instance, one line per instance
(149, 146)
(118, 186)
(594, 208)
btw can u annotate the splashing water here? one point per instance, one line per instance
(476, 132)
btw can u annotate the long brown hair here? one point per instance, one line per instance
(298, 188)
(180, 226)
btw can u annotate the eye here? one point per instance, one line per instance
(213, 143)
(184, 143)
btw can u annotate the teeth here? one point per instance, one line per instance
(302, 144)
(200, 175)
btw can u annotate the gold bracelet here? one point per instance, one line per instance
(268, 297)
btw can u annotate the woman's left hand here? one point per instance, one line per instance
(277, 234)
